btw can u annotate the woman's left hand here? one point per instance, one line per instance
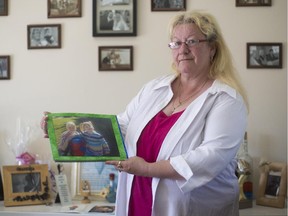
(134, 165)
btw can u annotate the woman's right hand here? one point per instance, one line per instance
(43, 124)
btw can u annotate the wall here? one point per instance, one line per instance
(68, 80)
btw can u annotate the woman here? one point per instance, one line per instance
(182, 131)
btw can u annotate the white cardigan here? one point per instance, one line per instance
(201, 147)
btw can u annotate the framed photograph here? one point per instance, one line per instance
(3, 7)
(44, 36)
(4, 67)
(1, 188)
(103, 175)
(26, 185)
(79, 137)
(115, 58)
(272, 185)
(246, 3)
(168, 5)
(114, 18)
(63, 9)
(264, 55)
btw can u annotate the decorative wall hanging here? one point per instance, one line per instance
(3, 7)
(64, 9)
(264, 55)
(114, 18)
(166, 5)
(26, 185)
(44, 36)
(247, 3)
(115, 58)
(4, 67)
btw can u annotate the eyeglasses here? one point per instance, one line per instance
(189, 43)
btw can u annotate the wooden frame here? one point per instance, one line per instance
(26, 185)
(264, 55)
(3, 7)
(44, 36)
(99, 181)
(247, 3)
(114, 18)
(115, 58)
(81, 137)
(272, 185)
(60, 9)
(4, 67)
(166, 5)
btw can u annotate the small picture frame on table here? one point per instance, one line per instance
(272, 185)
(167, 5)
(44, 36)
(114, 18)
(115, 58)
(64, 9)
(247, 3)
(264, 55)
(3, 7)
(4, 67)
(26, 185)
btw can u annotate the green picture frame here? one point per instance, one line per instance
(82, 137)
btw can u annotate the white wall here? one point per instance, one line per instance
(68, 80)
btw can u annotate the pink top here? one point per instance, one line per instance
(148, 147)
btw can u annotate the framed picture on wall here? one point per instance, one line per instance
(246, 3)
(3, 7)
(44, 36)
(115, 58)
(63, 9)
(167, 5)
(264, 55)
(26, 185)
(4, 67)
(272, 185)
(114, 18)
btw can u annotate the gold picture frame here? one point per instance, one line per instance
(272, 185)
(26, 185)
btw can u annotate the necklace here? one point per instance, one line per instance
(186, 99)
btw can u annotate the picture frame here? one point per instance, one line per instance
(46, 36)
(82, 137)
(115, 58)
(1, 188)
(64, 9)
(4, 67)
(3, 7)
(264, 55)
(114, 18)
(26, 185)
(99, 181)
(166, 5)
(247, 3)
(272, 185)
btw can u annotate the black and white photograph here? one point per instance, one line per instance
(4, 67)
(168, 5)
(64, 8)
(3, 7)
(44, 36)
(114, 18)
(245, 3)
(273, 184)
(117, 58)
(264, 55)
(26, 182)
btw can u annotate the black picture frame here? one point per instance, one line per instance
(248, 3)
(46, 36)
(61, 9)
(4, 67)
(115, 58)
(1, 188)
(264, 55)
(124, 11)
(166, 5)
(3, 7)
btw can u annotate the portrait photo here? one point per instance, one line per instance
(26, 182)
(64, 8)
(4, 67)
(168, 5)
(253, 2)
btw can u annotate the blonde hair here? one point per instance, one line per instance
(88, 123)
(222, 67)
